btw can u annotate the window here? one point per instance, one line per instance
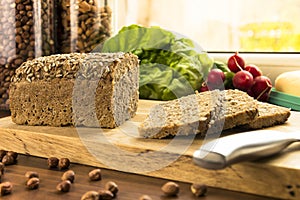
(267, 32)
(224, 25)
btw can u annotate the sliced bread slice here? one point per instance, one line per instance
(197, 113)
(269, 115)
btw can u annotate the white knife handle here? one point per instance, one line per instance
(222, 152)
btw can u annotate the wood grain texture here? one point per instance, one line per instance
(121, 149)
(131, 186)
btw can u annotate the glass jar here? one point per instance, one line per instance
(26, 31)
(83, 24)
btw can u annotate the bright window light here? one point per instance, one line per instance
(223, 25)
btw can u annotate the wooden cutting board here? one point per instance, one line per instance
(123, 150)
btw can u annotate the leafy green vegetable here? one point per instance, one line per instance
(228, 80)
(170, 66)
(222, 66)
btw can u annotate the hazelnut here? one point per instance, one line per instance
(63, 163)
(13, 154)
(112, 187)
(33, 183)
(105, 194)
(2, 168)
(8, 160)
(95, 175)
(90, 195)
(68, 175)
(145, 197)
(64, 186)
(2, 153)
(170, 188)
(52, 162)
(5, 188)
(31, 174)
(198, 189)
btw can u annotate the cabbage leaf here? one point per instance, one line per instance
(170, 65)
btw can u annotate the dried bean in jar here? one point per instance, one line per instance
(92, 22)
(21, 40)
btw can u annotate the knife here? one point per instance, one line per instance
(247, 146)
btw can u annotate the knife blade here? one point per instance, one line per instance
(247, 146)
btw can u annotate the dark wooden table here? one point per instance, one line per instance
(131, 186)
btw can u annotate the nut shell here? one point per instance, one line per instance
(145, 197)
(90, 195)
(31, 174)
(170, 188)
(52, 162)
(68, 175)
(5, 188)
(64, 186)
(199, 189)
(33, 183)
(112, 187)
(105, 194)
(95, 175)
(64, 163)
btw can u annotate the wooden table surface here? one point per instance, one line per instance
(131, 186)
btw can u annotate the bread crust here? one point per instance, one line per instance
(269, 115)
(104, 101)
(199, 113)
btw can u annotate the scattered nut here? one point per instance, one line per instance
(31, 174)
(33, 183)
(52, 162)
(64, 186)
(63, 163)
(68, 175)
(198, 189)
(145, 197)
(112, 187)
(8, 160)
(2, 168)
(13, 154)
(90, 195)
(170, 188)
(95, 175)
(5, 188)
(2, 153)
(105, 194)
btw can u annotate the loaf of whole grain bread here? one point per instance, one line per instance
(95, 89)
(199, 113)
